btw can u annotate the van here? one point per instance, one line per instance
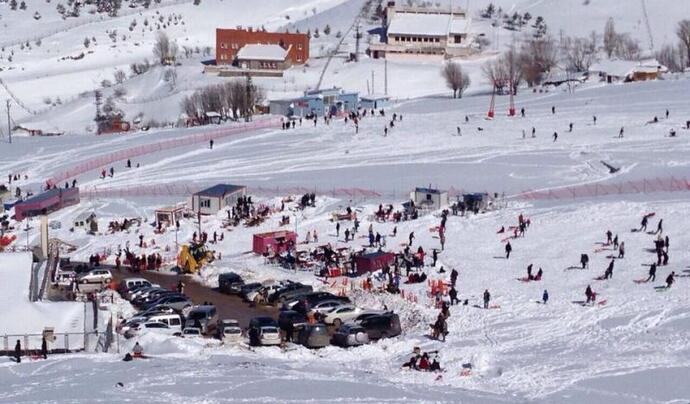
(128, 284)
(204, 318)
(171, 320)
(314, 336)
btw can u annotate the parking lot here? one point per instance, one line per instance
(228, 306)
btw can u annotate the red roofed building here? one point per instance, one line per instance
(230, 41)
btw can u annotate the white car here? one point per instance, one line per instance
(152, 326)
(342, 314)
(231, 335)
(191, 332)
(326, 306)
(270, 336)
(96, 276)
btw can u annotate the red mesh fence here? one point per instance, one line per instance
(103, 161)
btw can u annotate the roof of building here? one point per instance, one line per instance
(84, 216)
(374, 97)
(429, 191)
(624, 68)
(221, 190)
(427, 24)
(262, 52)
(49, 194)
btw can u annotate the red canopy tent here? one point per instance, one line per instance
(276, 241)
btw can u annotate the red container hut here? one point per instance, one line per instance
(275, 241)
(47, 202)
(373, 261)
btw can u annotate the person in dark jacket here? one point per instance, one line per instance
(545, 296)
(18, 352)
(453, 294)
(453, 277)
(652, 273)
(670, 278)
(584, 260)
(509, 249)
(487, 298)
(609, 271)
(44, 348)
(591, 296)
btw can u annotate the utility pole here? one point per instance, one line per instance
(358, 36)
(373, 91)
(9, 123)
(385, 76)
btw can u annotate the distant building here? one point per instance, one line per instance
(231, 44)
(267, 57)
(423, 31)
(374, 101)
(430, 198)
(47, 202)
(332, 101)
(612, 71)
(211, 200)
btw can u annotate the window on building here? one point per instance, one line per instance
(397, 38)
(299, 46)
(204, 203)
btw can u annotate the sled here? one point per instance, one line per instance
(661, 288)
(598, 250)
(638, 281)
(503, 240)
(600, 278)
(525, 279)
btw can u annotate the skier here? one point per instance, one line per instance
(643, 224)
(545, 296)
(434, 257)
(608, 237)
(453, 296)
(459, 131)
(534, 132)
(453, 277)
(129, 163)
(584, 260)
(210, 143)
(337, 229)
(112, 172)
(385, 131)
(487, 298)
(594, 119)
(540, 273)
(529, 272)
(620, 133)
(591, 296)
(522, 112)
(670, 279)
(570, 127)
(555, 136)
(411, 237)
(652, 273)
(621, 250)
(509, 249)
(615, 242)
(660, 227)
(347, 235)
(667, 113)
(553, 110)
(609, 271)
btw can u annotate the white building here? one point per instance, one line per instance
(424, 31)
(211, 200)
(429, 198)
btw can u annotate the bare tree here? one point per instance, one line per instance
(670, 57)
(164, 49)
(456, 79)
(579, 53)
(119, 76)
(504, 72)
(611, 38)
(627, 47)
(537, 57)
(683, 33)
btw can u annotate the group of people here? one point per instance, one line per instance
(423, 361)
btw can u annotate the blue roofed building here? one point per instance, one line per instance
(332, 101)
(211, 200)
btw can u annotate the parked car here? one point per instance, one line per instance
(314, 336)
(204, 318)
(287, 292)
(341, 314)
(248, 288)
(291, 321)
(152, 326)
(143, 292)
(382, 326)
(263, 331)
(153, 311)
(152, 295)
(266, 289)
(128, 284)
(230, 332)
(314, 298)
(191, 332)
(326, 306)
(171, 320)
(96, 276)
(178, 302)
(350, 335)
(366, 314)
(230, 283)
